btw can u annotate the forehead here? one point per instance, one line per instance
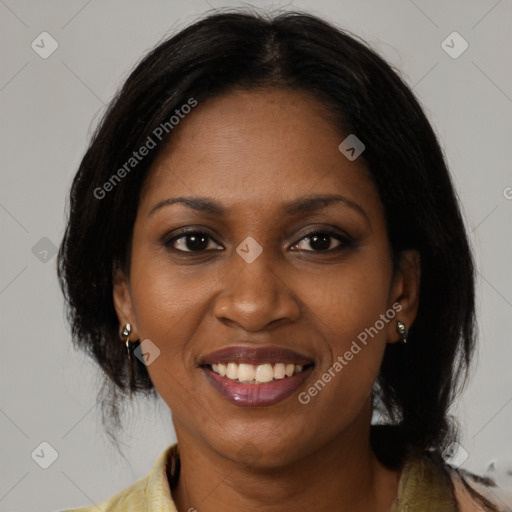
(256, 147)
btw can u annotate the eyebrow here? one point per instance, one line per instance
(295, 207)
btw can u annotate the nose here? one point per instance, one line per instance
(254, 295)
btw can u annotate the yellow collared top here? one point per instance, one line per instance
(150, 494)
(424, 486)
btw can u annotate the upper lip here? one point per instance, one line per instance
(255, 355)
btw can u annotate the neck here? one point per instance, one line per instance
(343, 474)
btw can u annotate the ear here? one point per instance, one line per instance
(405, 290)
(123, 303)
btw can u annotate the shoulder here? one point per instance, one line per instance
(151, 493)
(479, 494)
(428, 481)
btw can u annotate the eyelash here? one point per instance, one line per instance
(344, 240)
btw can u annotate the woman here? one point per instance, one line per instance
(264, 232)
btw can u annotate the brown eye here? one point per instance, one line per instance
(321, 241)
(193, 241)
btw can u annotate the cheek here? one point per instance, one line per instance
(352, 312)
(169, 308)
(350, 299)
(166, 299)
(160, 306)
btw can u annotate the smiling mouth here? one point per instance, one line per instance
(244, 373)
(256, 376)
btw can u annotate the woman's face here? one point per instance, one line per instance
(286, 265)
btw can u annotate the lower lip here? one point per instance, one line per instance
(256, 395)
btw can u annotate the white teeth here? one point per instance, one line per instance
(254, 374)
(246, 372)
(232, 371)
(264, 373)
(279, 371)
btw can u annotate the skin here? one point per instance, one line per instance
(252, 152)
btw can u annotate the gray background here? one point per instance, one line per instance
(48, 109)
